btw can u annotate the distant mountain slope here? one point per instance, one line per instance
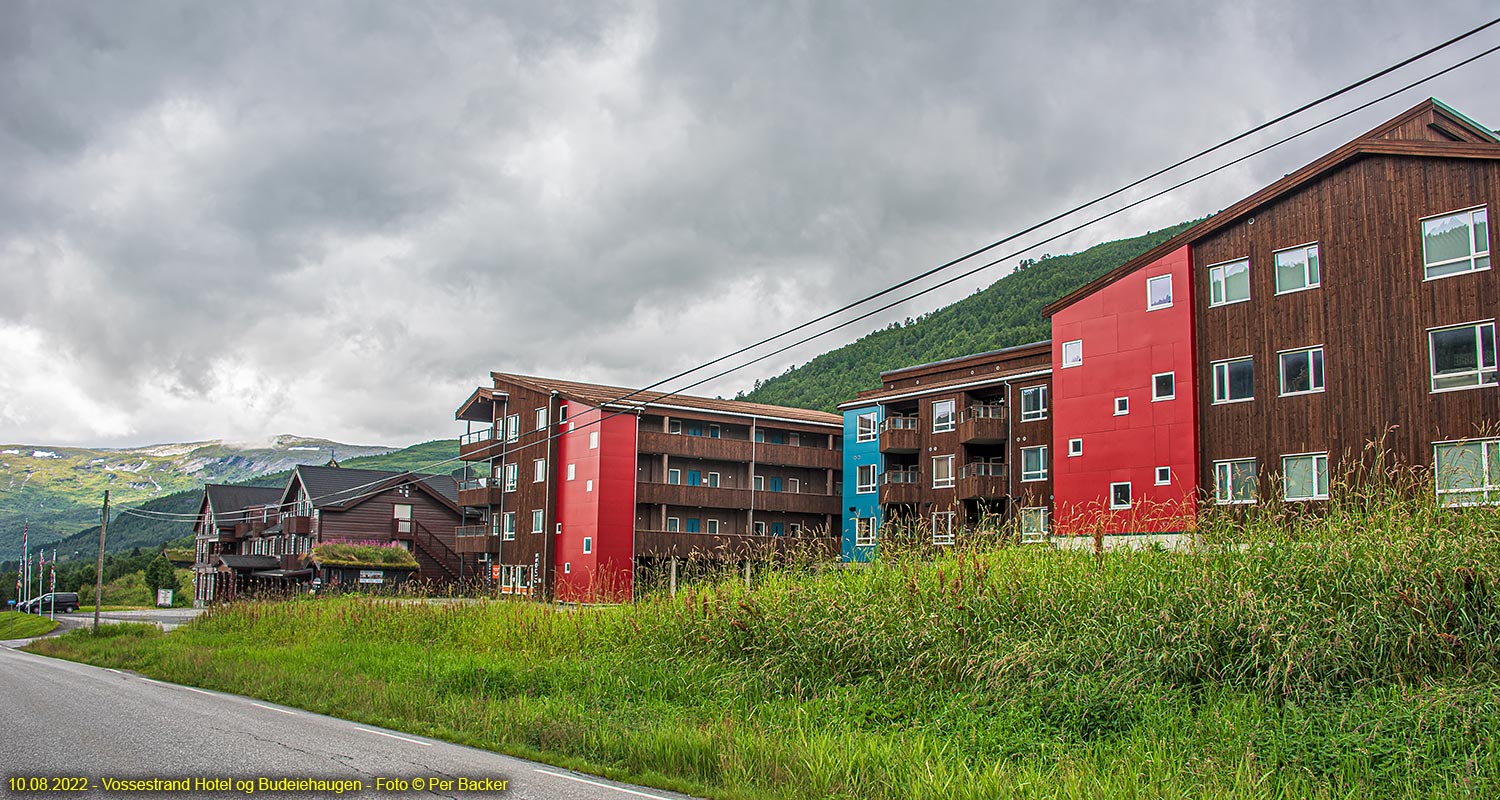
(1007, 313)
(127, 532)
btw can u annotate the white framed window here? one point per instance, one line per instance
(1075, 447)
(1033, 403)
(512, 476)
(1122, 406)
(866, 427)
(1467, 472)
(593, 440)
(541, 419)
(674, 524)
(539, 470)
(1297, 268)
(674, 426)
(588, 485)
(1163, 476)
(1235, 481)
(1229, 282)
(588, 544)
(759, 483)
(942, 527)
(714, 431)
(1462, 356)
(572, 471)
(1456, 242)
(1072, 353)
(864, 531)
(760, 529)
(942, 472)
(567, 567)
(1305, 476)
(513, 427)
(1035, 521)
(865, 479)
(794, 528)
(711, 525)
(1234, 380)
(1163, 386)
(536, 521)
(794, 439)
(1158, 292)
(674, 476)
(562, 413)
(711, 480)
(1119, 495)
(1034, 463)
(1301, 370)
(942, 416)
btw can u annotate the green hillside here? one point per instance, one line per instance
(1006, 314)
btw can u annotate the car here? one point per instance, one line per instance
(60, 602)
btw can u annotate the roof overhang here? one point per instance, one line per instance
(926, 390)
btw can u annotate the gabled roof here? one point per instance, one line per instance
(340, 488)
(1016, 351)
(229, 501)
(601, 396)
(1429, 129)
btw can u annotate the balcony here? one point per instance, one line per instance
(719, 546)
(983, 424)
(478, 445)
(900, 487)
(982, 481)
(738, 450)
(898, 435)
(475, 539)
(296, 525)
(675, 494)
(478, 492)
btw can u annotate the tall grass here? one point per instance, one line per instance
(1349, 653)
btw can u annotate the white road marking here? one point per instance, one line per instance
(600, 785)
(115, 671)
(271, 708)
(394, 736)
(199, 691)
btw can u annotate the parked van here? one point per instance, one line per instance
(61, 602)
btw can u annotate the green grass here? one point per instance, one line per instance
(15, 625)
(1351, 656)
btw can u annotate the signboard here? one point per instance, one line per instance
(164, 598)
(371, 576)
(495, 572)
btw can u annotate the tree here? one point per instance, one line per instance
(160, 575)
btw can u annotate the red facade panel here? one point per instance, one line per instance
(1125, 343)
(595, 500)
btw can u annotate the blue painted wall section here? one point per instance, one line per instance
(857, 505)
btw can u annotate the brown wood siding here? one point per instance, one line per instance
(373, 521)
(1371, 315)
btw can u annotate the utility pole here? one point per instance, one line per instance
(99, 565)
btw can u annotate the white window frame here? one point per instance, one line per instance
(1316, 495)
(1157, 397)
(1281, 356)
(861, 434)
(711, 480)
(512, 477)
(513, 427)
(593, 440)
(1488, 484)
(1474, 254)
(572, 471)
(1153, 280)
(1031, 477)
(942, 527)
(541, 418)
(1223, 493)
(1075, 447)
(674, 525)
(952, 416)
(714, 431)
(1129, 490)
(711, 525)
(861, 486)
(865, 531)
(508, 526)
(943, 483)
(1310, 254)
(759, 483)
(674, 477)
(1029, 514)
(1225, 362)
(588, 485)
(1122, 406)
(1074, 358)
(1216, 278)
(538, 470)
(1479, 373)
(1039, 413)
(588, 545)
(1163, 476)
(760, 529)
(567, 568)
(538, 521)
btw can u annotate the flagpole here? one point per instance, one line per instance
(54, 583)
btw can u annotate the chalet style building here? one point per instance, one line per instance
(951, 446)
(582, 483)
(251, 537)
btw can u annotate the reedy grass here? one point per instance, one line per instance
(1352, 653)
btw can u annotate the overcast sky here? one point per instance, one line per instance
(233, 220)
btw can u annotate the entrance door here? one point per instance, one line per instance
(695, 477)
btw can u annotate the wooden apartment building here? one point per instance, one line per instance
(581, 483)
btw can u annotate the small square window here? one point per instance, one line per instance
(865, 477)
(942, 416)
(1158, 292)
(1453, 244)
(942, 472)
(1163, 476)
(1034, 463)
(1297, 269)
(1301, 371)
(588, 485)
(1234, 481)
(674, 477)
(674, 426)
(1229, 282)
(674, 524)
(1075, 447)
(1234, 380)
(588, 544)
(1305, 477)
(1467, 473)
(1122, 406)
(760, 529)
(865, 427)
(1463, 357)
(865, 531)
(1072, 353)
(1035, 521)
(714, 432)
(567, 567)
(1163, 386)
(1033, 403)
(1119, 495)
(713, 525)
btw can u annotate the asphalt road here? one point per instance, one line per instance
(58, 718)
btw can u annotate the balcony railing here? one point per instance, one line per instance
(478, 445)
(985, 411)
(983, 480)
(898, 435)
(899, 423)
(482, 491)
(901, 476)
(901, 486)
(983, 424)
(481, 435)
(984, 468)
(470, 531)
